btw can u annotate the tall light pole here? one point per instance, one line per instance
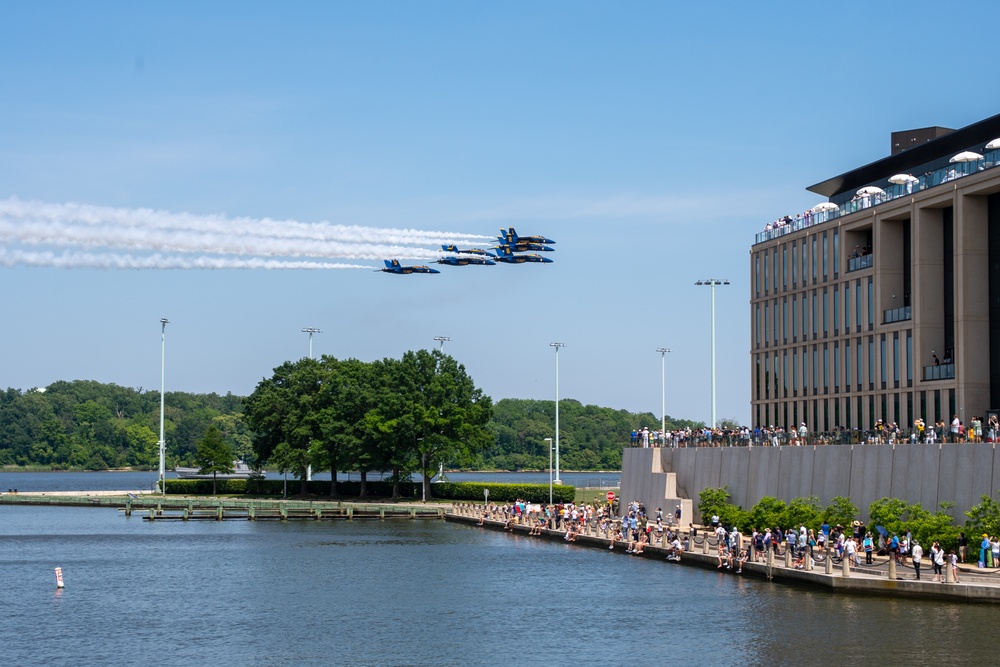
(311, 331)
(663, 391)
(442, 339)
(557, 346)
(712, 282)
(163, 443)
(549, 440)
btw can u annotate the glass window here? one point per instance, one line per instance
(814, 319)
(857, 360)
(836, 256)
(756, 319)
(795, 369)
(871, 360)
(794, 321)
(847, 365)
(784, 320)
(767, 273)
(826, 367)
(774, 270)
(824, 255)
(804, 318)
(795, 267)
(803, 257)
(895, 358)
(766, 320)
(815, 369)
(836, 366)
(767, 379)
(784, 267)
(857, 302)
(825, 329)
(756, 273)
(774, 328)
(847, 308)
(882, 360)
(836, 308)
(909, 358)
(871, 304)
(784, 373)
(812, 259)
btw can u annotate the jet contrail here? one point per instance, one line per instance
(134, 238)
(145, 218)
(84, 260)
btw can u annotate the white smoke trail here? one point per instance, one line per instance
(84, 260)
(145, 218)
(63, 234)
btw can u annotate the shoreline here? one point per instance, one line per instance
(968, 590)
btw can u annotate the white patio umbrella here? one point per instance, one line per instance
(871, 191)
(993, 145)
(825, 206)
(903, 179)
(966, 156)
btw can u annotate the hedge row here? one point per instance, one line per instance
(534, 493)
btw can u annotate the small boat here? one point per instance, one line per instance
(240, 471)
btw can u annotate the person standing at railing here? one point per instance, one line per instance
(956, 427)
(977, 429)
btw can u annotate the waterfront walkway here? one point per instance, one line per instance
(881, 578)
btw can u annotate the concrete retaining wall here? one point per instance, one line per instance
(925, 474)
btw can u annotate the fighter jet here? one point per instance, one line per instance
(522, 246)
(511, 236)
(469, 251)
(507, 256)
(393, 266)
(459, 260)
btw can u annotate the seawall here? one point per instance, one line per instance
(925, 474)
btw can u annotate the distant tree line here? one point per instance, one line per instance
(94, 426)
(401, 416)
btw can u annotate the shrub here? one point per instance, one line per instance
(532, 493)
(840, 511)
(767, 513)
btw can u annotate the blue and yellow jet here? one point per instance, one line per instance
(507, 256)
(510, 235)
(393, 266)
(469, 251)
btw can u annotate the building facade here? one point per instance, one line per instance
(883, 303)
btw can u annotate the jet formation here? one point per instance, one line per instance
(511, 249)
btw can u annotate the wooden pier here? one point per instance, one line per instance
(160, 508)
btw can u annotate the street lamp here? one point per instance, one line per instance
(311, 331)
(163, 444)
(663, 391)
(551, 449)
(712, 282)
(557, 346)
(442, 339)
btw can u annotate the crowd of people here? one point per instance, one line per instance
(635, 529)
(884, 432)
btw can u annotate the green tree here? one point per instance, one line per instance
(214, 456)
(840, 511)
(802, 512)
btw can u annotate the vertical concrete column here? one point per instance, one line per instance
(704, 545)
(770, 558)
(828, 561)
(949, 574)
(892, 567)
(809, 559)
(788, 557)
(846, 563)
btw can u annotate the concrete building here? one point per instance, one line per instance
(884, 301)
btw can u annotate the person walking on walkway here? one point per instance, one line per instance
(868, 544)
(937, 559)
(916, 555)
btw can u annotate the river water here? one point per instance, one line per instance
(145, 480)
(405, 592)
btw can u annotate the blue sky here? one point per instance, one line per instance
(650, 140)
